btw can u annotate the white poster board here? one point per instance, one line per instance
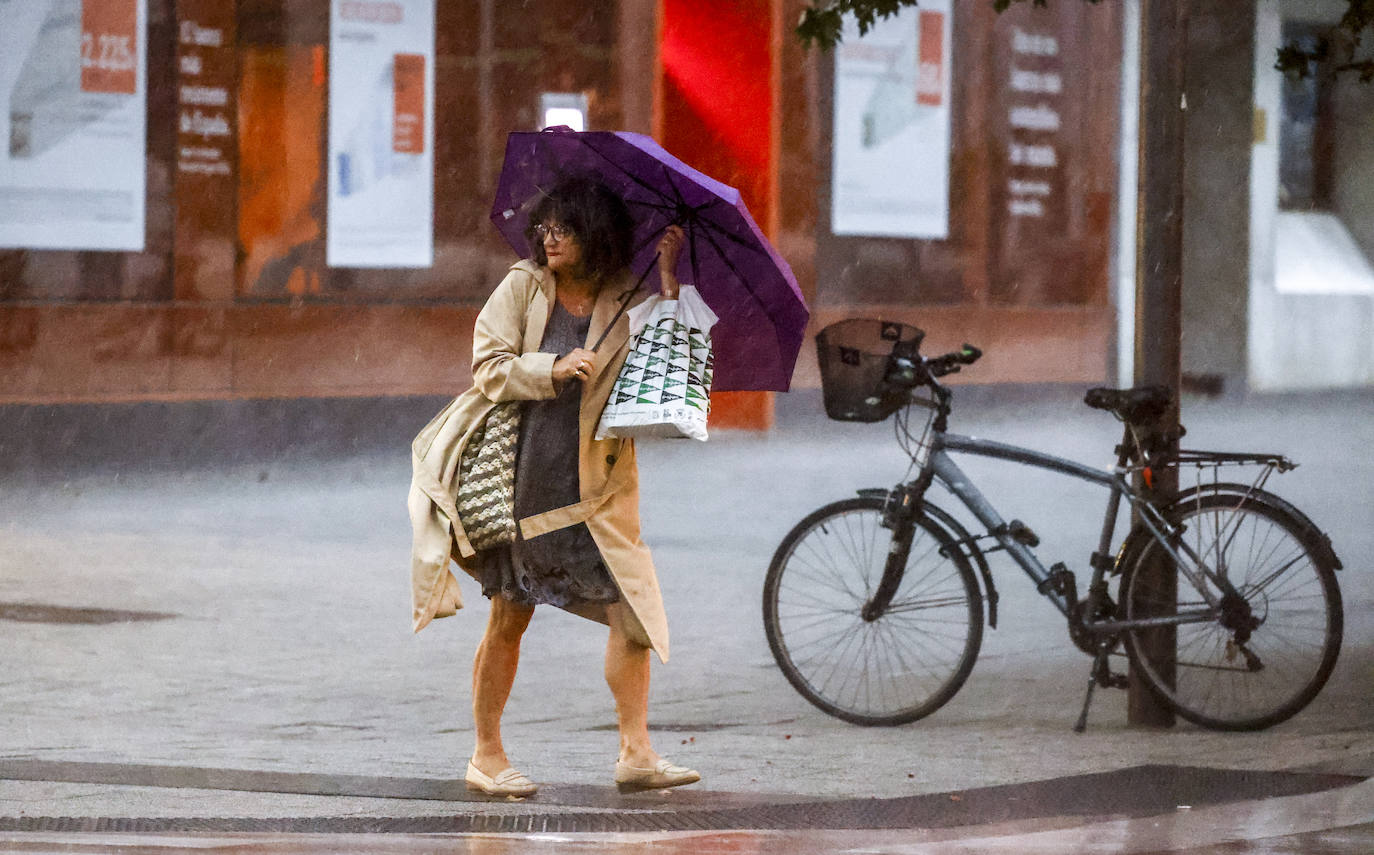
(381, 133)
(73, 124)
(891, 153)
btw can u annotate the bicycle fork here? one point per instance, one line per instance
(898, 516)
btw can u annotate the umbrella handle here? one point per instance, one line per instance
(625, 302)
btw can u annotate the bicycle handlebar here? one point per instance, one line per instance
(950, 363)
(909, 369)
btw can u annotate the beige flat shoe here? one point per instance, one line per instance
(506, 783)
(661, 774)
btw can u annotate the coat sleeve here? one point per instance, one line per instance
(500, 368)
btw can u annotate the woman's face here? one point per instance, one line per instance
(562, 249)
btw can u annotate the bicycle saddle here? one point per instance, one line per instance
(1137, 405)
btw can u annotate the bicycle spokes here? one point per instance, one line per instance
(862, 639)
(1271, 639)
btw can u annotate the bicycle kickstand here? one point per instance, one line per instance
(1099, 674)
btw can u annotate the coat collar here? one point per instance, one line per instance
(542, 276)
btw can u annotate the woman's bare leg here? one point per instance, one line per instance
(627, 673)
(493, 674)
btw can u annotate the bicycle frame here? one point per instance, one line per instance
(1189, 563)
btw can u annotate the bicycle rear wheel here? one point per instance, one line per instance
(1270, 651)
(897, 668)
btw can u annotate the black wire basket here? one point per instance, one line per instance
(856, 359)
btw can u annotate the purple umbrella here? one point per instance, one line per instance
(738, 272)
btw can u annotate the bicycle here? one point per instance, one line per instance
(1226, 599)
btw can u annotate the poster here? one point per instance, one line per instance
(890, 173)
(205, 90)
(73, 120)
(206, 179)
(381, 133)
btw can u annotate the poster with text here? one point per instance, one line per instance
(890, 173)
(381, 133)
(73, 120)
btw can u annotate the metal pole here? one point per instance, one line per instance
(1159, 271)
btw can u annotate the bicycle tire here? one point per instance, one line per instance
(1290, 585)
(896, 669)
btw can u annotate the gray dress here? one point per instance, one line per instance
(563, 567)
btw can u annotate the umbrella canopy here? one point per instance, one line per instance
(738, 272)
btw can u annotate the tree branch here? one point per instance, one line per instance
(822, 26)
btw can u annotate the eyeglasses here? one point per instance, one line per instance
(559, 233)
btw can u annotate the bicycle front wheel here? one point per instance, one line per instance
(896, 668)
(1274, 642)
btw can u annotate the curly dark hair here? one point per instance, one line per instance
(597, 218)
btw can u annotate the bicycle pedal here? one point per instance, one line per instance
(1117, 681)
(1061, 581)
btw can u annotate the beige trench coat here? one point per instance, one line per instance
(507, 366)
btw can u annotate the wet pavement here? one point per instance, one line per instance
(1330, 823)
(1155, 809)
(1139, 791)
(204, 657)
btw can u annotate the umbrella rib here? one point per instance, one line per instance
(731, 236)
(707, 228)
(743, 281)
(675, 202)
(554, 165)
(628, 174)
(696, 218)
(657, 206)
(735, 270)
(693, 213)
(669, 207)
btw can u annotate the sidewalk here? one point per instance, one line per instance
(268, 633)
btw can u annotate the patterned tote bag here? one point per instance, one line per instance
(486, 482)
(664, 388)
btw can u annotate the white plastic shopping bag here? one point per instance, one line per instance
(664, 388)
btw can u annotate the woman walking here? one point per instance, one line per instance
(576, 497)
